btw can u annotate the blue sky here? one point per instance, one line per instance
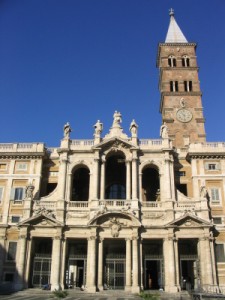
(80, 60)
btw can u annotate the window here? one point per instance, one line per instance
(21, 166)
(1, 192)
(172, 61)
(174, 86)
(180, 173)
(15, 219)
(217, 220)
(212, 166)
(215, 195)
(185, 61)
(116, 191)
(220, 257)
(3, 167)
(9, 277)
(11, 255)
(17, 193)
(188, 86)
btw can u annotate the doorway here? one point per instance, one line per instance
(153, 274)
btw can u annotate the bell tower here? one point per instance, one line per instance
(181, 97)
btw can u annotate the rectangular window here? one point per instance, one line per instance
(11, 255)
(187, 86)
(15, 219)
(21, 166)
(212, 166)
(215, 195)
(17, 194)
(220, 256)
(180, 173)
(174, 86)
(3, 167)
(217, 221)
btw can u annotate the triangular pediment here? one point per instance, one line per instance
(42, 218)
(115, 144)
(189, 220)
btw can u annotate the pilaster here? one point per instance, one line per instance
(56, 263)
(128, 265)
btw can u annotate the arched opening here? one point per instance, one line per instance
(172, 61)
(185, 61)
(80, 185)
(115, 177)
(150, 184)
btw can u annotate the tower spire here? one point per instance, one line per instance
(174, 34)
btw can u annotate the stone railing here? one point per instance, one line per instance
(185, 205)
(78, 204)
(22, 147)
(44, 204)
(115, 203)
(81, 144)
(151, 204)
(207, 147)
(150, 144)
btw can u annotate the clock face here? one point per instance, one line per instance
(184, 115)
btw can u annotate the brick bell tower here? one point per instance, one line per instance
(181, 97)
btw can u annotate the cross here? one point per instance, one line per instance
(171, 12)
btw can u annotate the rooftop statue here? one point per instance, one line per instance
(117, 119)
(67, 129)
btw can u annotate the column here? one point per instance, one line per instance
(141, 265)
(91, 265)
(128, 265)
(135, 260)
(62, 276)
(56, 263)
(176, 257)
(100, 264)
(102, 193)
(68, 187)
(167, 177)
(205, 261)
(211, 242)
(128, 179)
(140, 187)
(62, 176)
(20, 263)
(96, 178)
(134, 178)
(168, 252)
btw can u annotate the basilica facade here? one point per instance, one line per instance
(118, 211)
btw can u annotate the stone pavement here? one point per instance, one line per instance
(38, 294)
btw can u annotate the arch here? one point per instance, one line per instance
(115, 176)
(172, 62)
(150, 183)
(80, 183)
(98, 219)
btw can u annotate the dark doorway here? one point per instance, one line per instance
(153, 275)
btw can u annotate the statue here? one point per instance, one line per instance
(98, 128)
(29, 191)
(203, 192)
(115, 227)
(117, 119)
(164, 131)
(67, 129)
(133, 128)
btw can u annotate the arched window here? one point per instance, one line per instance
(172, 61)
(115, 177)
(150, 184)
(185, 61)
(80, 186)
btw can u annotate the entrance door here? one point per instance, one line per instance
(115, 273)
(41, 270)
(76, 273)
(188, 274)
(153, 274)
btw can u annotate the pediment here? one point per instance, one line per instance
(115, 144)
(189, 220)
(42, 218)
